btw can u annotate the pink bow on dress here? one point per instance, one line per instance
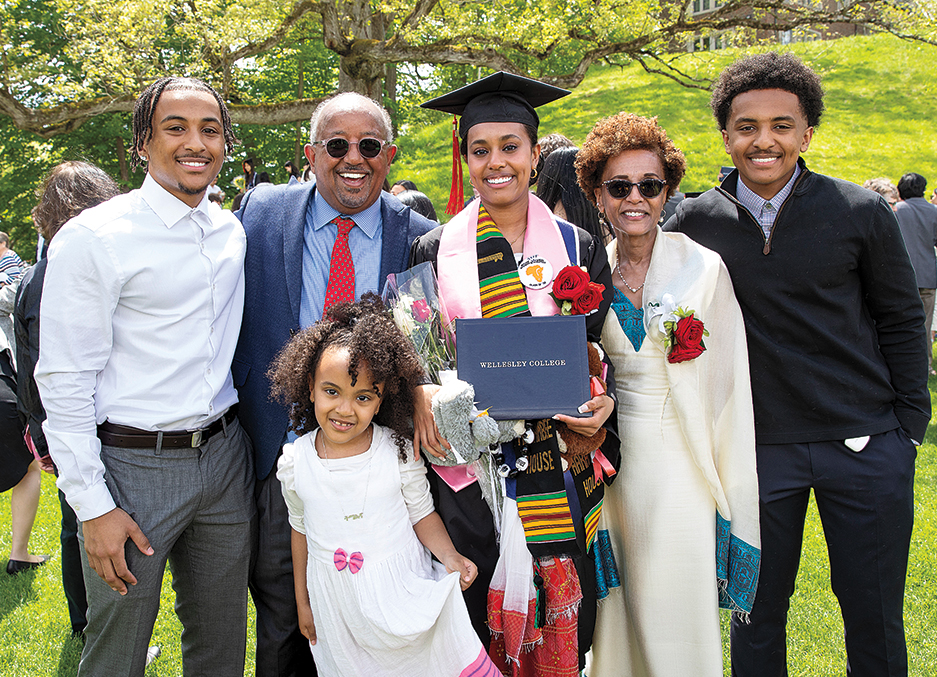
(354, 562)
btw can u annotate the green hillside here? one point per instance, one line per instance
(880, 117)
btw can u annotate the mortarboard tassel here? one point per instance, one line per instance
(540, 613)
(456, 194)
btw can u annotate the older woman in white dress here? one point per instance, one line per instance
(682, 518)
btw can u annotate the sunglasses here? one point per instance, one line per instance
(620, 188)
(338, 147)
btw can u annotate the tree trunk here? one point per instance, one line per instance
(390, 93)
(226, 76)
(122, 161)
(299, 140)
(357, 71)
(357, 75)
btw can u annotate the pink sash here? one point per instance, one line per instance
(457, 260)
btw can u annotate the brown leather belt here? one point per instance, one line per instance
(114, 435)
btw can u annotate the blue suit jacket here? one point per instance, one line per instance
(274, 218)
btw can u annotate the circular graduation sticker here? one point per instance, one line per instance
(535, 272)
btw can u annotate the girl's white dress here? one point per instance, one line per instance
(400, 613)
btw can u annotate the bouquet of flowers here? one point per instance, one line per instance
(413, 299)
(575, 293)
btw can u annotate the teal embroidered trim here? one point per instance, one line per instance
(737, 566)
(606, 570)
(630, 318)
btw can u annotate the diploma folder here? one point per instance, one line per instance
(525, 367)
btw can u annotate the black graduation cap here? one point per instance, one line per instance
(502, 97)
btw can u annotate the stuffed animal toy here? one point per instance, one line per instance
(573, 444)
(468, 430)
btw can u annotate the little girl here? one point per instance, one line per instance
(370, 599)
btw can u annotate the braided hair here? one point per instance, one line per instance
(145, 106)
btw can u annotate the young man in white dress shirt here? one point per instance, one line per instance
(141, 309)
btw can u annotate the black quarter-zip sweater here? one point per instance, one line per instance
(835, 325)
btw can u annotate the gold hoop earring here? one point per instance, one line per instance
(533, 173)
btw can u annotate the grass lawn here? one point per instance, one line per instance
(35, 632)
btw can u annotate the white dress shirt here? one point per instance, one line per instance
(140, 314)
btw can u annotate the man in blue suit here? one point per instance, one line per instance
(291, 232)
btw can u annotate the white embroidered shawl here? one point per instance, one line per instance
(712, 397)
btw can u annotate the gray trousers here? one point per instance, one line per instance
(195, 506)
(927, 298)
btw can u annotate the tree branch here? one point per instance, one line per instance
(300, 9)
(420, 10)
(49, 122)
(669, 71)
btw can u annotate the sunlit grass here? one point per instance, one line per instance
(879, 118)
(35, 632)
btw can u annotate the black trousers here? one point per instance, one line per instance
(282, 651)
(73, 580)
(866, 505)
(15, 457)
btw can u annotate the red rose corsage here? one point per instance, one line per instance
(575, 293)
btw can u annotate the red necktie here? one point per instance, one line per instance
(341, 286)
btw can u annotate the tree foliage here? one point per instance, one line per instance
(70, 70)
(66, 61)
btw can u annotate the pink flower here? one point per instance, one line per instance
(421, 311)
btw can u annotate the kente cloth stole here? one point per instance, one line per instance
(543, 502)
(586, 491)
(559, 509)
(502, 294)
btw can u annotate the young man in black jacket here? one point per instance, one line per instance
(837, 352)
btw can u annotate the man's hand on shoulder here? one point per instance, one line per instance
(104, 542)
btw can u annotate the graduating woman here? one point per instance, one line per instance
(481, 258)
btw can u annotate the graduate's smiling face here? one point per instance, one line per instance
(501, 158)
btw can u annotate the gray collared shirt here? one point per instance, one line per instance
(766, 211)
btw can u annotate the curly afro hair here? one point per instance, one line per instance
(771, 70)
(372, 339)
(614, 135)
